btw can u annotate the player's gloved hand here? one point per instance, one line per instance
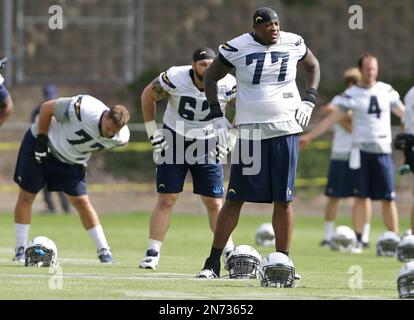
(158, 141)
(1, 79)
(221, 128)
(222, 135)
(155, 136)
(41, 149)
(304, 112)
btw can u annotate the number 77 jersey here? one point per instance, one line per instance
(265, 74)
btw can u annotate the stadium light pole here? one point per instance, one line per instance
(7, 36)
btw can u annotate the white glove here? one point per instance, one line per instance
(155, 136)
(222, 134)
(1, 79)
(303, 113)
(221, 128)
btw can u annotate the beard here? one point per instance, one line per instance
(198, 75)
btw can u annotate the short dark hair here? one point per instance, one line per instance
(364, 56)
(119, 115)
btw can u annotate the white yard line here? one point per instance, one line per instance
(164, 276)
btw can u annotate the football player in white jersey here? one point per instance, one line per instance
(371, 103)
(340, 183)
(268, 104)
(187, 127)
(408, 137)
(6, 104)
(55, 151)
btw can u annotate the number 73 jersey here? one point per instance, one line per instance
(74, 133)
(265, 74)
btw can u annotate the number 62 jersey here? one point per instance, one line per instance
(265, 74)
(187, 110)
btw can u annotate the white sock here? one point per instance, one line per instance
(229, 246)
(22, 233)
(365, 232)
(328, 227)
(154, 245)
(98, 236)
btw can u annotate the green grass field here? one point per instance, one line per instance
(324, 272)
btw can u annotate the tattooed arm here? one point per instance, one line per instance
(151, 94)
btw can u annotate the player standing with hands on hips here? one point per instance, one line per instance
(268, 101)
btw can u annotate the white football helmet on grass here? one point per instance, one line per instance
(387, 244)
(405, 249)
(41, 252)
(243, 262)
(405, 281)
(277, 270)
(343, 239)
(265, 235)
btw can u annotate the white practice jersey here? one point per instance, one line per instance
(266, 86)
(74, 133)
(342, 139)
(409, 112)
(371, 115)
(187, 110)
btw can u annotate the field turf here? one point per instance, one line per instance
(325, 274)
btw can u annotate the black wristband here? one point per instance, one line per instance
(310, 95)
(215, 110)
(42, 140)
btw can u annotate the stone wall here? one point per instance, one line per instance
(174, 28)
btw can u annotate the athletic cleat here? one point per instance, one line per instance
(325, 243)
(19, 256)
(105, 255)
(365, 245)
(151, 260)
(206, 274)
(357, 248)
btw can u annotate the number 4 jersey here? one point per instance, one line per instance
(371, 115)
(266, 86)
(74, 132)
(187, 109)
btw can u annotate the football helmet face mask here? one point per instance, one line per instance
(343, 239)
(387, 244)
(265, 235)
(277, 270)
(243, 262)
(405, 281)
(405, 249)
(41, 252)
